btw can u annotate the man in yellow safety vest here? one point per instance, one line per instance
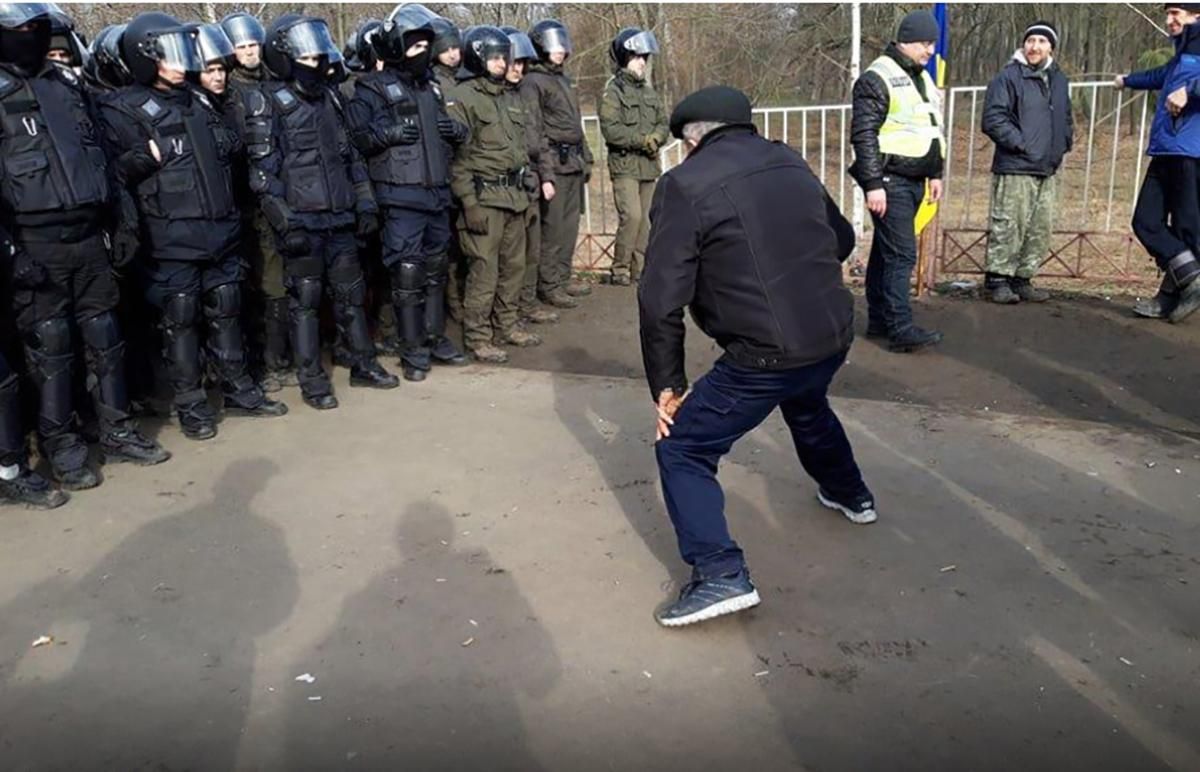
(896, 130)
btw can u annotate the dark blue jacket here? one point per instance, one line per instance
(1175, 135)
(744, 235)
(1027, 113)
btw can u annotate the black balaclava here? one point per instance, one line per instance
(311, 79)
(418, 65)
(26, 50)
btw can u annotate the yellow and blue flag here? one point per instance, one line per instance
(937, 70)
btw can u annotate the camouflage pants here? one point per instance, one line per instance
(1022, 216)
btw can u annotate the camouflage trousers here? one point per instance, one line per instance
(1022, 216)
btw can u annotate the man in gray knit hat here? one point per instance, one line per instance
(896, 128)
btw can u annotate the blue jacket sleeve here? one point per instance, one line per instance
(365, 121)
(1149, 80)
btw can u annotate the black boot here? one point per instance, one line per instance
(32, 490)
(1024, 289)
(1000, 290)
(913, 339)
(1162, 304)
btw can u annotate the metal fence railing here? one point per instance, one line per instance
(1097, 185)
(820, 133)
(1098, 181)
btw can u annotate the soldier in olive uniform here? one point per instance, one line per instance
(447, 57)
(570, 158)
(634, 126)
(447, 54)
(541, 179)
(489, 180)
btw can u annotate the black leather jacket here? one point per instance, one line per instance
(871, 102)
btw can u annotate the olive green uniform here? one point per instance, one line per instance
(634, 124)
(490, 173)
(571, 161)
(540, 170)
(446, 79)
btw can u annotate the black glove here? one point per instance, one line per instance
(27, 273)
(294, 244)
(125, 246)
(277, 214)
(368, 225)
(475, 219)
(402, 134)
(447, 129)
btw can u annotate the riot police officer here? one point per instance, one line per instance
(540, 178)
(489, 179)
(398, 120)
(359, 53)
(314, 191)
(634, 124)
(570, 159)
(176, 162)
(105, 70)
(54, 197)
(217, 61)
(268, 326)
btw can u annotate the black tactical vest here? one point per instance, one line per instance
(316, 149)
(426, 162)
(51, 153)
(195, 180)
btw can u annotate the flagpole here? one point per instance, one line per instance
(855, 70)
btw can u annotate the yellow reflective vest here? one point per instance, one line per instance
(908, 130)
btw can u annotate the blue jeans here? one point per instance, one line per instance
(894, 256)
(725, 404)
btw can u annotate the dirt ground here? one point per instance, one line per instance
(461, 574)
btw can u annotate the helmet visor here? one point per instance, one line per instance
(214, 45)
(522, 46)
(556, 39)
(642, 44)
(311, 38)
(19, 14)
(244, 29)
(178, 51)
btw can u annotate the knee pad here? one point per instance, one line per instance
(223, 301)
(352, 293)
(408, 281)
(49, 337)
(307, 292)
(101, 331)
(180, 311)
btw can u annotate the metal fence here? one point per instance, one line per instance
(1098, 182)
(820, 133)
(1097, 186)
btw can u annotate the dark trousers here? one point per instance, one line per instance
(894, 256)
(725, 404)
(1166, 219)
